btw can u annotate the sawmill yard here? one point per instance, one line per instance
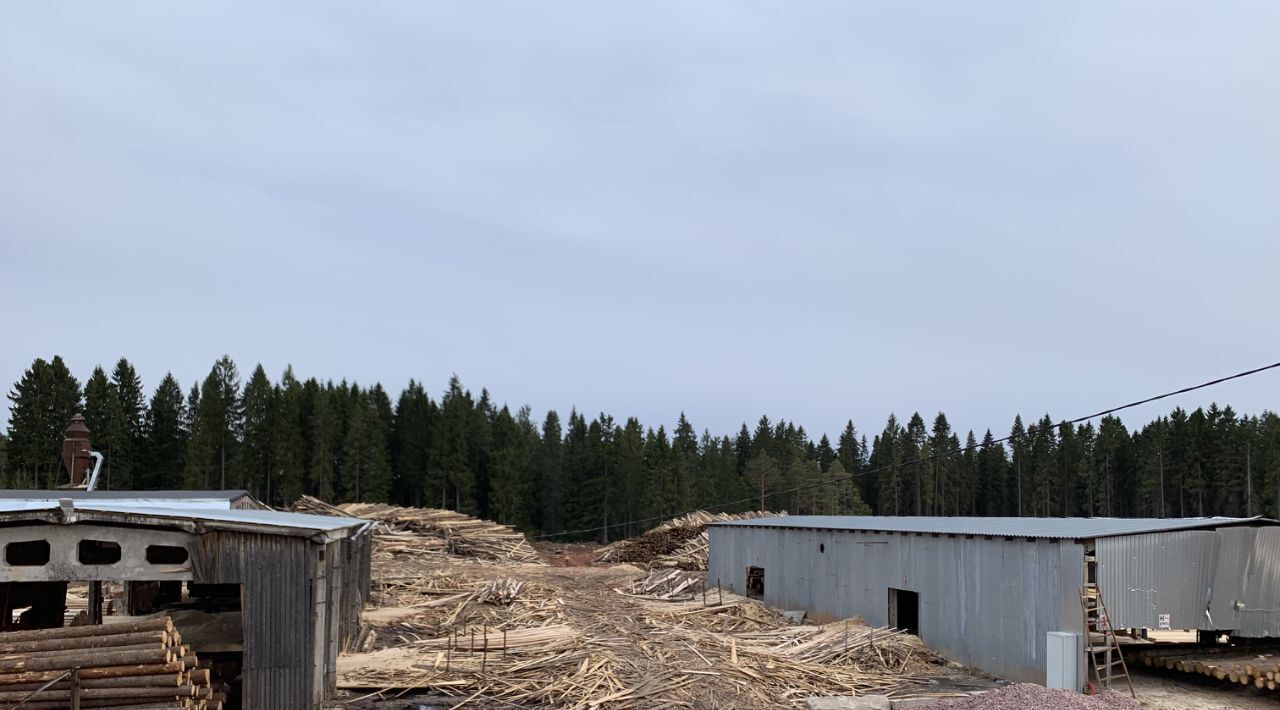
(466, 613)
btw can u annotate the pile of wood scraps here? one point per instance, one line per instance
(127, 665)
(426, 531)
(667, 584)
(411, 609)
(680, 542)
(718, 611)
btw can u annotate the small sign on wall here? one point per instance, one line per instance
(1164, 621)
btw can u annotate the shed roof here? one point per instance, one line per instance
(193, 519)
(152, 499)
(1050, 528)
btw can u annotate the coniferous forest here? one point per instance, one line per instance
(604, 478)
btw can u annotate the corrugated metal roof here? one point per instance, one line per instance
(75, 494)
(1053, 528)
(270, 521)
(178, 500)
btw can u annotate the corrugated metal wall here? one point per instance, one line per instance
(279, 636)
(985, 602)
(1246, 586)
(1225, 580)
(1145, 576)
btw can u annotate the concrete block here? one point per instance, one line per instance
(833, 703)
(844, 702)
(914, 703)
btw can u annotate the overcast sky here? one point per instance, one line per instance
(819, 211)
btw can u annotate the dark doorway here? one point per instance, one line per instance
(755, 582)
(904, 610)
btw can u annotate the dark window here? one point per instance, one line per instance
(822, 547)
(99, 552)
(755, 582)
(32, 553)
(166, 554)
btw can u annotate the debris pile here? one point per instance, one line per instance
(429, 531)
(667, 584)
(139, 663)
(1021, 696)
(680, 542)
(538, 645)
(409, 609)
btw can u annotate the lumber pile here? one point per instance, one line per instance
(1259, 668)
(429, 531)
(666, 584)
(136, 664)
(409, 609)
(679, 543)
(559, 666)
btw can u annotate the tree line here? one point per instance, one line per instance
(609, 478)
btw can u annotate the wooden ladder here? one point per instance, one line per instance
(1101, 647)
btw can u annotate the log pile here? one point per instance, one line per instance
(680, 542)
(429, 531)
(137, 664)
(1259, 668)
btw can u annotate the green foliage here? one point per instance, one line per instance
(609, 479)
(165, 438)
(42, 404)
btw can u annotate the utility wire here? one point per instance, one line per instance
(889, 467)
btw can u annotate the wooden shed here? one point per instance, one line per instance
(294, 583)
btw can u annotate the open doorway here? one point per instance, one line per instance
(755, 582)
(904, 610)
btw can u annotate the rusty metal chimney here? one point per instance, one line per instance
(75, 450)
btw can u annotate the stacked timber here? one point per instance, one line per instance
(139, 665)
(418, 531)
(1256, 667)
(678, 543)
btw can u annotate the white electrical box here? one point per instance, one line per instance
(1062, 660)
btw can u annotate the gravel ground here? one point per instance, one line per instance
(1024, 696)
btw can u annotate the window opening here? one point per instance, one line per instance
(166, 554)
(99, 552)
(31, 553)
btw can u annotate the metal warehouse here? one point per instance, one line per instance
(987, 591)
(277, 595)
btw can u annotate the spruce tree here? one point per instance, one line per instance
(257, 449)
(413, 471)
(165, 437)
(289, 451)
(321, 439)
(128, 389)
(42, 404)
(548, 477)
(107, 430)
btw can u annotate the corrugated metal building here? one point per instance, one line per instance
(986, 591)
(302, 579)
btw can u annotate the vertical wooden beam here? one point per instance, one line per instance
(75, 689)
(95, 603)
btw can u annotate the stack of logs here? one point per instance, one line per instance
(140, 665)
(1257, 667)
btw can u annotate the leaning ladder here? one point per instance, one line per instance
(1101, 647)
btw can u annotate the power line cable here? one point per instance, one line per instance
(889, 467)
